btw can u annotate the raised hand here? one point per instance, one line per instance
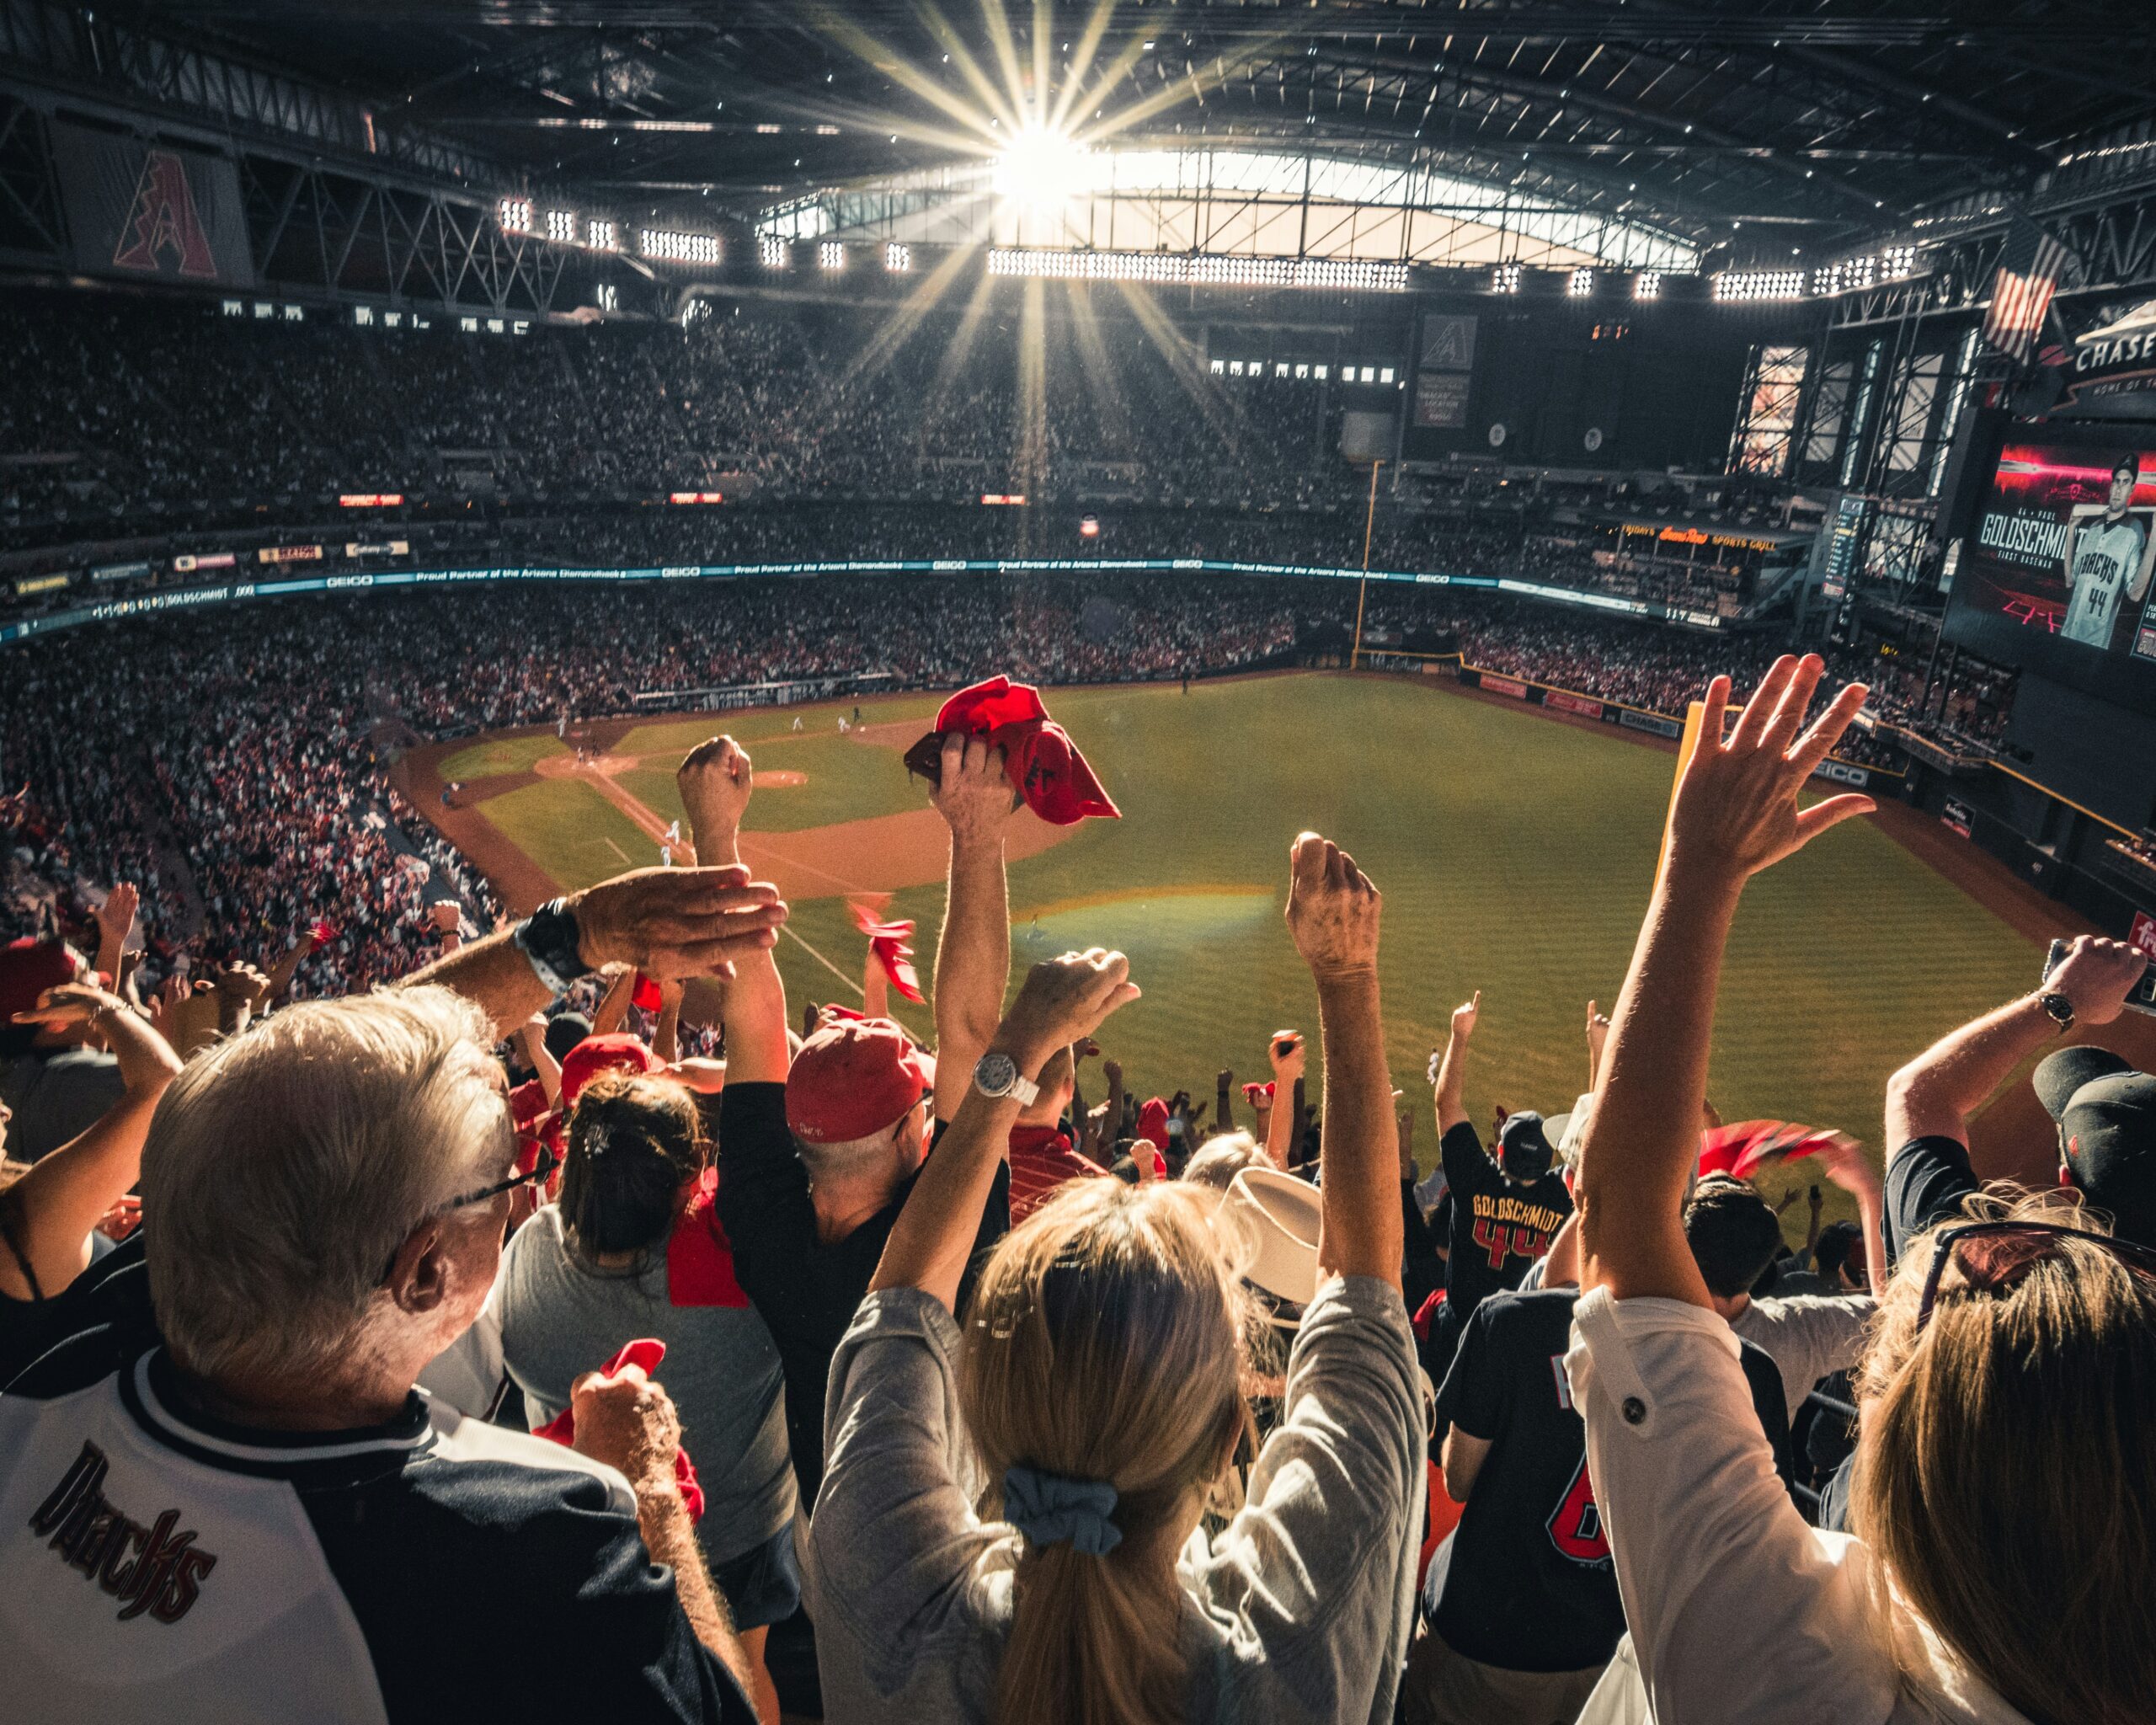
(1332, 909)
(69, 1004)
(2097, 976)
(1288, 1056)
(1842, 1160)
(628, 1423)
(1736, 811)
(1464, 1017)
(715, 779)
(1597, 1031)
(1067, 998)
(115, 917)
(669, 922)
(972, 791)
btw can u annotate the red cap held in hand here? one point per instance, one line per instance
(28, 968)
(1043, 763)
(853, 1078)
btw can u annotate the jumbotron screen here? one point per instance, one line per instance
(2055, 575)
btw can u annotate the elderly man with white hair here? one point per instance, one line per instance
(222, 1497)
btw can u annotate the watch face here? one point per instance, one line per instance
(996, 1074)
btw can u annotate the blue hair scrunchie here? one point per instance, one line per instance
(1049, 1508)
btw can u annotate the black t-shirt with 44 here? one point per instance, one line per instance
(806, 1291)
(1530, 1587)
(1499, 1227)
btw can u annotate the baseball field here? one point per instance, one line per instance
(1514, 848)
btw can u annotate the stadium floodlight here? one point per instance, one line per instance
(831, 255)
(666, 246)
(1647, 285)
(1760, 284)
(770, 252)
(514, 214)
(602, 235)
(898, 258)
(1581, 285)
(1505, 279)
(1898, 260)
(1043, 166)
(561, 226)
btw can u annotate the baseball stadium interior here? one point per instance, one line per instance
(983, 773)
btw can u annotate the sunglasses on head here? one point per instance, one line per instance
(1994, 1256)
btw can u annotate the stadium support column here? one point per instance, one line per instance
(1363, 589)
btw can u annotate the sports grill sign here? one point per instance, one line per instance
(142, 208)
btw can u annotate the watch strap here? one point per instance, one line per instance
(548, 940)
(2057, 1007)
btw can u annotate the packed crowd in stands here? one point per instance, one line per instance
(558, 1283)
(128, 412)
(227, 763)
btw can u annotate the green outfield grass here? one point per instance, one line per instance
(1515, 854)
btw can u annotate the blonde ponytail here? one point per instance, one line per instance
(1102, 1365)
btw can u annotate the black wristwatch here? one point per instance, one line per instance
(548, 938)
(2059, 1007)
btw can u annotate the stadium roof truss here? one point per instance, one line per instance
(1243, 202)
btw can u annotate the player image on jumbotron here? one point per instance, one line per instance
(2063, 547)
(2106, 561)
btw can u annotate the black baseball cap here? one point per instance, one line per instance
(2106, 1115)
(1523, 1147)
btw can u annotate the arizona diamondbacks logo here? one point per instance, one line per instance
(147, 1569)
(164, 220)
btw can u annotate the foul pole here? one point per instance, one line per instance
(1363, 589)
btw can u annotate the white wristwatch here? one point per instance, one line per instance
(997, 1076)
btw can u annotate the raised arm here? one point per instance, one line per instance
(667, 922)
(1452, 1065)
(1063, 1000)
(1735, 813)
(61, 1199)
(1843, 1161)
(973, 793)
(288, 966)
(1332, 915)
(531, 1037)
(716, 780)
(1935, 1094)
(1284, 1119)
(115, 921)
(1598, 1038)
(613, 1009)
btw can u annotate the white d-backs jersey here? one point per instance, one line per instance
(156, 1565)
(2106, 559)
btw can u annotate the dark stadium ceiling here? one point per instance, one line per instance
(1821, 121)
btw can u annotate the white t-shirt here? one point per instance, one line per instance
(2106, 558)
(1807, 1336)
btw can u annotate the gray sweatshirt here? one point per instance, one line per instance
(1299, 1610)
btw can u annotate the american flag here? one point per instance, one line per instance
(2029, 265)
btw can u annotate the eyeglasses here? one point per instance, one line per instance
(545, 1165)
(2002, 1252)
(539, 1171)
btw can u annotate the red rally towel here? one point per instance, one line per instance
(1254, 1094)
(1739, 1151)
(1426, 1315)
(887, 942)
(699, 1258)
(1043, 764)
(646, 1353)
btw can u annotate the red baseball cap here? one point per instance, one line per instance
(28, 968)
(853, 1078)
(616, 1052)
